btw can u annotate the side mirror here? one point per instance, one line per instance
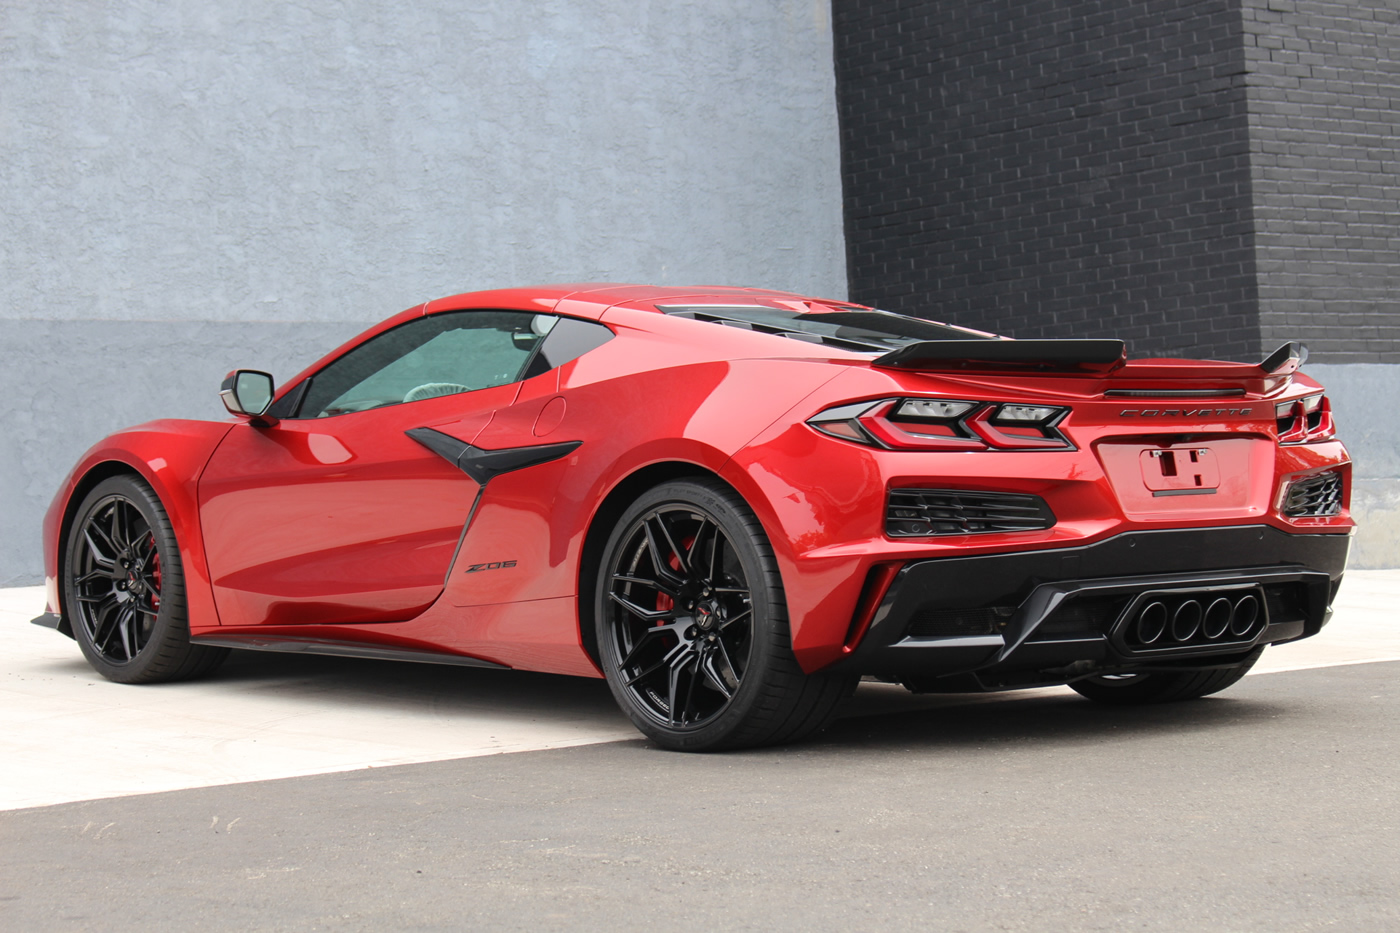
(248, 392)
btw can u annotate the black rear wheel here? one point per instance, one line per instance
(1159, 687)
(692, 626)
(124, 588)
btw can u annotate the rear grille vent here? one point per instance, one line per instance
(920, 512)
(1314, 496)
(989, 620)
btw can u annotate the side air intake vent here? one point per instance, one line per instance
(1314, 496)
(919, 512)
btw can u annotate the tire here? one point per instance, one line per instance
(1139, 689)
(124, 588)
(695, 644)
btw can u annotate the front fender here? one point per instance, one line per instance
(168, 454)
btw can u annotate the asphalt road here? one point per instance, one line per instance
(1271, 807)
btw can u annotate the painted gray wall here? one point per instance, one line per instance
(1366, 400)
(186, 186)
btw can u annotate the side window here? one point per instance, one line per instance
(569, 339)
(442, 354)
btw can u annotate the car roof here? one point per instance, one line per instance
(590, 299)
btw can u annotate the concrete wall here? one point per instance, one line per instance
(1366, 399)
(186, 186)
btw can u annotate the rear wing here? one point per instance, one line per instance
(1079, 356)
(1042, 355)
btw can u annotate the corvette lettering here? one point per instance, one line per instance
(1182, 412)
(494, 565)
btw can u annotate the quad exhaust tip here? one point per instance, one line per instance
(1166, 623)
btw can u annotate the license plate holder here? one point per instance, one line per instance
(1180, 471)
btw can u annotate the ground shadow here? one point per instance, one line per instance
(881, 717)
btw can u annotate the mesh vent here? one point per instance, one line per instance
(1314, 496)
(921, 512)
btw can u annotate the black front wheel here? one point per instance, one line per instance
(124, 588)
(692, 626)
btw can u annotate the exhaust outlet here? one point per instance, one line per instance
(1186, 620)
(1246, 612)
(1218, 618)
(1151, 623)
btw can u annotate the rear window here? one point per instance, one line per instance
(850, 329)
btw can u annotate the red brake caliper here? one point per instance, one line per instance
(155, 554)
(665, 603)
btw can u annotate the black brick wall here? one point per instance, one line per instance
(1200, 177)
(1051, 168)
(1324, 101)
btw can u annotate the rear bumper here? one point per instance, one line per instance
(1052, 616)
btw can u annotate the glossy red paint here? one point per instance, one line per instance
(168, 454)
(345, 528)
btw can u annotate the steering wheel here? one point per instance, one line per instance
(434, 390)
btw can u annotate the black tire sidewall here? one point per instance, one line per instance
(171, 628)
(769, 632)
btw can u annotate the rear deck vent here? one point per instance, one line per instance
(1174, 393)
(1315, 496)
(913, 513)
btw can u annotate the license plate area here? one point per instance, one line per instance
(1180, 471)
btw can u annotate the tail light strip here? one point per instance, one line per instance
(1305, 420)
(904, 424)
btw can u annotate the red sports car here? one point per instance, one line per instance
(731, 503)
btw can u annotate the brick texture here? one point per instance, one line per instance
(1324, 114)
(1051, 168)
(1199, 177)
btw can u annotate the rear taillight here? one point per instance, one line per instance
(1304, 420)
(945, 424)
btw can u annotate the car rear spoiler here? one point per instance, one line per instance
(1060, 356)
(1045, 355)
(1287, 359)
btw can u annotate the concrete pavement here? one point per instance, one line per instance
(67, 735)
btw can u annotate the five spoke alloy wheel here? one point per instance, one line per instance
(123, 589)
(692, 627)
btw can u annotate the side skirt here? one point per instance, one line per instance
(341, 649)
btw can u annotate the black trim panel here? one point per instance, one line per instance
(54, 621)
(341, 649)
(1052, 354)
(484, 465)
(1286, 358)
(1035, 581)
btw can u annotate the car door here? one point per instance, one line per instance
(335, 514)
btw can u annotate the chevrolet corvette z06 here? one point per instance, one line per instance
(731, 503)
